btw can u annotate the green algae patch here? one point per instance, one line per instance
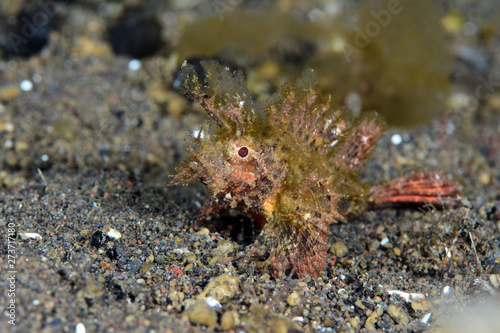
(396, 58)
(394, 55)
(242, 32)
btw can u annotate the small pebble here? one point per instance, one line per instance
(80, 328)
(484, 178)
(229, 320)
(37, 78)
(494, 101)
(9, 127)
(201, 313)
(26, 85)
(354, 322)
(373, 318)
(222, 288)
(396, 139)
(374, 245)
(423, 305)
(134, 65)
(203, 231)
(359, 304)
(9, 92)
(398, 314)
(494, 279)
(22, 146)
(213, 302)
(339, 249)
(113, 233)
(293, 299)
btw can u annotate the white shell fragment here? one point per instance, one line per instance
(408, 297)
(212, 302)
(113, 233)
(26, 235)
(426, 318)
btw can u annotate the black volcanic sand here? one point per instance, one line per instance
(100, 240)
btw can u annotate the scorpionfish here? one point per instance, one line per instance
(291, 165)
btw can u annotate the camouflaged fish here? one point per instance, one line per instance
(290, 165)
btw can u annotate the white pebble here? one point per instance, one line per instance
(44, 157)
(80, 328)
(181, 251)
(26, 85)
(396, 139)
(446, 289)
(461, 100)
(134, 65)
(113, 233)
(8, 144)
(213, 302)
(37, 78)
(384, 241)
(35, 302)
(9, 127)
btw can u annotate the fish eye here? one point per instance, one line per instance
(243, 152)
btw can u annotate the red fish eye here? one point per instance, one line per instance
(243, 152)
